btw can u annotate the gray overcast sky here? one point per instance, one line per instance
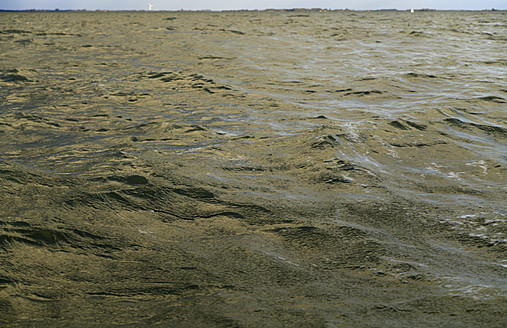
(249, 4)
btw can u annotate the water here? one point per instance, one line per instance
(253, 168)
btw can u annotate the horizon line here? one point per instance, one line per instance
(264, 9)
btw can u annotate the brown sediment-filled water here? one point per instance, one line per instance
(252, 169)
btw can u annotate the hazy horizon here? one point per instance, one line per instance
(217, 5)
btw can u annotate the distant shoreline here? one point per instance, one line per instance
(256, 10)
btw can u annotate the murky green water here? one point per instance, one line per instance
(251, 169)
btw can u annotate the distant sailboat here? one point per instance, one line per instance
(411, 10)
(150, 6)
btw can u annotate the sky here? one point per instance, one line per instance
(250, 4)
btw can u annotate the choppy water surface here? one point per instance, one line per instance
(253, 169)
